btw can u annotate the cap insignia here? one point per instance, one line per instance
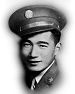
(29, 14)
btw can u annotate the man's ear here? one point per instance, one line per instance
(57, 48)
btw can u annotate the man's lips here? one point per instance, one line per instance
(33, 62)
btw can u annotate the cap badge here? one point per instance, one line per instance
(28, 14)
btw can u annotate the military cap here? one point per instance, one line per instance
(36, 18)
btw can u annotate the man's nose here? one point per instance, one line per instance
(34, 52)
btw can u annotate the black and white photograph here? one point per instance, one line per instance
(37, 47)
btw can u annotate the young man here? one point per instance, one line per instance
(40, 30)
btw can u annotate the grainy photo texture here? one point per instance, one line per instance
(39, 28)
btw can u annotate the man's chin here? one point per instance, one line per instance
(36, 69)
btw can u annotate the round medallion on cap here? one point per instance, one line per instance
(29, 14)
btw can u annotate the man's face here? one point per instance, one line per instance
(38, 51)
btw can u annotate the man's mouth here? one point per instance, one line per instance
(34, 62)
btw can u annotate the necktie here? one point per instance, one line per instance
(33, 84)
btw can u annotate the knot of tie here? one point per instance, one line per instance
(33, 85)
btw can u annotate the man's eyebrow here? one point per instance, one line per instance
(43, 42)
(26, 40)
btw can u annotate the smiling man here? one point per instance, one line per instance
(40, 30)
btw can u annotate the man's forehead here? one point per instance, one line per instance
(45, 36)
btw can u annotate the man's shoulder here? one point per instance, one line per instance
(50, 77)
(51, 74)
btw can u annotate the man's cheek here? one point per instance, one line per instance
(25, 52)
(43, 56)
(45, 53)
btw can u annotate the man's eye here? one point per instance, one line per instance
(27, 45)
(43, 46)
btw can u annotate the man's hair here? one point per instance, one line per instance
(56, 35)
